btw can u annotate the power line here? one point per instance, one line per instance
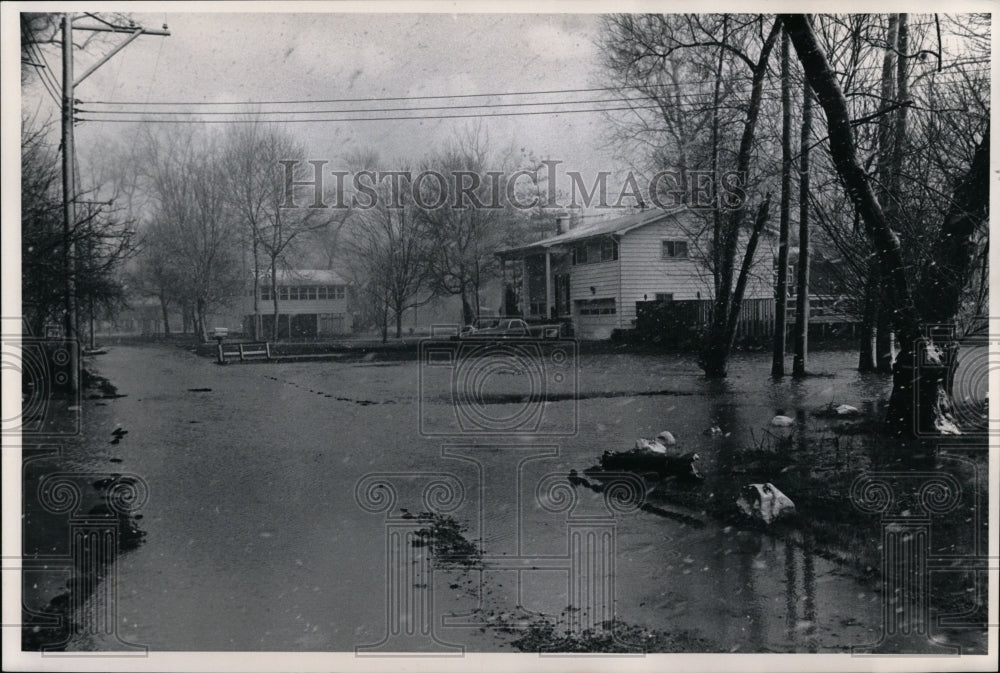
(690, 98)
(389, 109)
(370, 119)
(47, 71)
(44, 73)
(194, 116)
(372, 99)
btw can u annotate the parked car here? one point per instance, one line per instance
(509, 328)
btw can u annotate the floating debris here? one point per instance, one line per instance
(764, 502)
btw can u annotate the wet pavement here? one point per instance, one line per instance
(255, 537)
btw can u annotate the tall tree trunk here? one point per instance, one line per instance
(883, 340)
(477, 282)
(714, 359)
(165, 312)
(802, 286)
(869, 316)
(467, 317)
(921, 377)
(894, 164)
(200, 319)
(384, 321)
(93, 327)
(781, 287)
(274, 300)
(887, 200)
(256, 290)
(748, 259)
(717, 204)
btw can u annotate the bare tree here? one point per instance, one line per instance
(103, 237)
(190, 224)
(664, 60)
(260, 161)
(725, 314)
(802, 282)
(940, 287)
(781, 287)
(388, 247)
(462, 222)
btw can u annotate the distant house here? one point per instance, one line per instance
(311, 303)
(142, 316)
(597, 275)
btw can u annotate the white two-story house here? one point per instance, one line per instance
(312, 303)
(595, 274)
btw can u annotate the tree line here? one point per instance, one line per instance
(209, 224)
(892, 184)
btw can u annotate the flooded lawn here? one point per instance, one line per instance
(335, 505)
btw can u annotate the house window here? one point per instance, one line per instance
(661, 296)
(595, 306)
(605, 250)
(337, 292)
(609, 250)
(265, 293)
(312, 292)
(283, 293)
(675, 249)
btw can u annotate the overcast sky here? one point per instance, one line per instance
(241, 57)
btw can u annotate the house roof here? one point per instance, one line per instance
(619, 225)
(310, 277)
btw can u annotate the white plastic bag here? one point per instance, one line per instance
(764, 502)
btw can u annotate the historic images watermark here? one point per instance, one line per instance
(482, 387)
(497, 406)
(546, 186)
(97, 516)
(963, 361)
(50, 407)
(934, 523)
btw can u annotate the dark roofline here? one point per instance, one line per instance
(607, 228)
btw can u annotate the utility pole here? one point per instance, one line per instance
(802, 293)
(69, 211)
(68, 149)
(781, 296)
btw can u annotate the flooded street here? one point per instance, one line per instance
(256, 537)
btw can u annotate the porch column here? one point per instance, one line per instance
(548, 285)
(525, 288)
(503, 287)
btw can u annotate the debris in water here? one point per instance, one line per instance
(643, 460)
(764, 502)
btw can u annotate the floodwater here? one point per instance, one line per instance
(256, 537)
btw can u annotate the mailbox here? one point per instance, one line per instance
(220, 333)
